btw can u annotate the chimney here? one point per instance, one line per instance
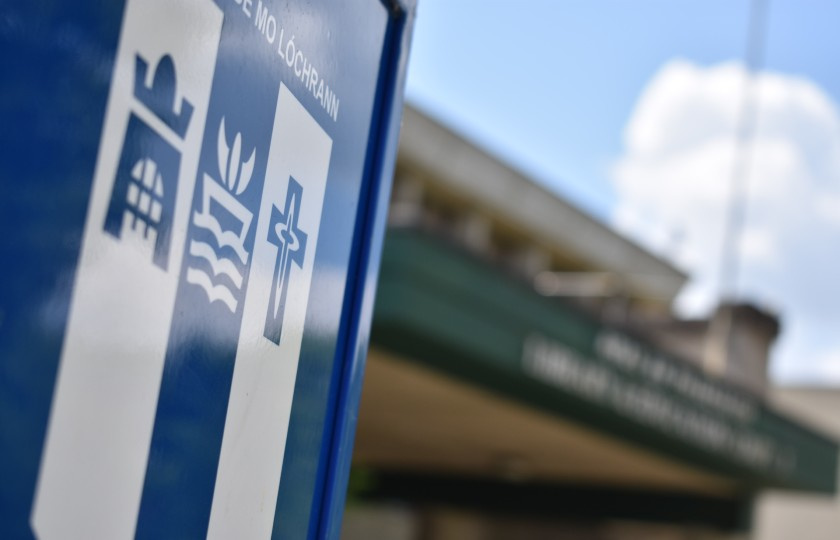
(738, 344)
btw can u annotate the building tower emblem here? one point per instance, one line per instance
(143, 197)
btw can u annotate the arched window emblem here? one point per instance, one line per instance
(143, 196)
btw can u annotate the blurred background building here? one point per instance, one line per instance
(527, 378)
(803, 516)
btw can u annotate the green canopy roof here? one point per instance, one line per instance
(448, 310)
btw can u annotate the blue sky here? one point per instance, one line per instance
(550, 84)
(553, 87)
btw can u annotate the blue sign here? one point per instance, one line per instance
(193, 205)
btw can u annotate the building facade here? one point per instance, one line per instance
(782, 515)
(527, 379)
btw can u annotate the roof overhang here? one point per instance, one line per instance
(471, 367)
(446, 159)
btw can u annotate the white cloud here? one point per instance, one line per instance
(828, 366)
(759, 246)
(673, 182)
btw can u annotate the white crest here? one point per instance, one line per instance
(235, 174)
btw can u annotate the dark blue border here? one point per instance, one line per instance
(363, 273)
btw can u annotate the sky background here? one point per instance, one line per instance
(630, 109)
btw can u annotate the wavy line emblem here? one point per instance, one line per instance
(215, 293)
(219, 205)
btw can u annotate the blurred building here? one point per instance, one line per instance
(803, 516)
(526, 378)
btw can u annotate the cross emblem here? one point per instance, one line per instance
(284, 233)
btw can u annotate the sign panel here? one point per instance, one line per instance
(180, 335)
